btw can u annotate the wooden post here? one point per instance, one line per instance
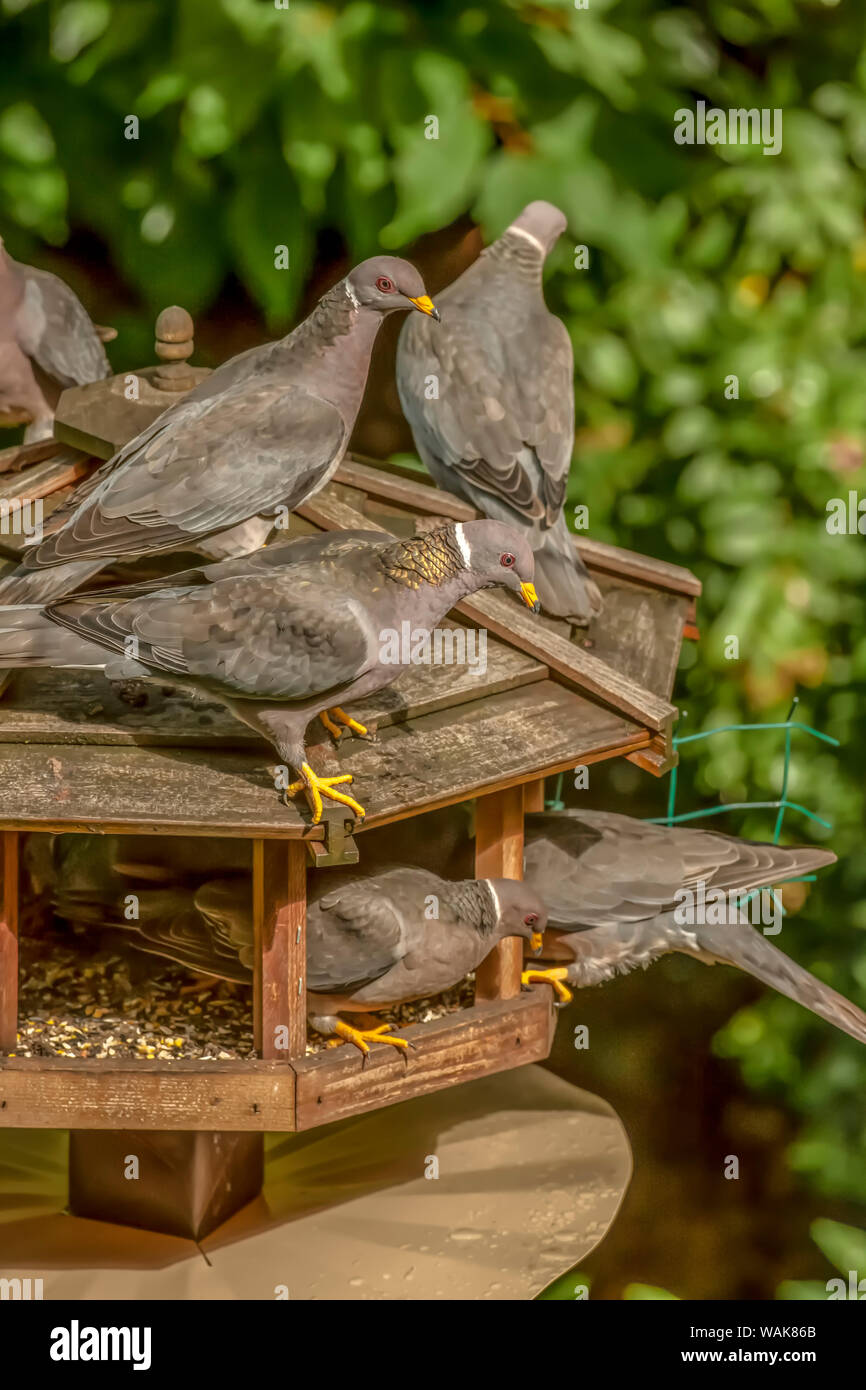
(280, 966)
(533, 796)
(499, 854)
(184, 1184)
(9, 943)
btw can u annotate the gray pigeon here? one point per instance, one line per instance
(622, 892)
(374, 940)
(262, 432)
(490, 399)
(47, 342)
(285, 634)
(373, 943)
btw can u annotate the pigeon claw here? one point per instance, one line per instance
(316, 787)
(362, 1037)
(553, 977)
(345, 719)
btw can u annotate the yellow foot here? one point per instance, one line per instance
(316, 787)
(360, 729)
(362, 1036)
(333, 729)
(552, 977)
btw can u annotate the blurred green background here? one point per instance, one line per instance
(260, 126)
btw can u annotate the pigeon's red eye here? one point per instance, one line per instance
(507, 561)
(385, 285)
(531, 920)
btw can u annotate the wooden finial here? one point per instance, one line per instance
(174, 344)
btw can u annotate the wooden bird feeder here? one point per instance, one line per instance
(74, 758)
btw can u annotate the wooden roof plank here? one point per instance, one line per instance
(438, 759)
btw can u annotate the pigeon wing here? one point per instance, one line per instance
(603, 870)
(247, 636)
(206, 464)
(355, 935)
(503, 421)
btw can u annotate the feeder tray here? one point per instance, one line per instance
(76, 757)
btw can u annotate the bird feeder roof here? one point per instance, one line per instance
(75, 754)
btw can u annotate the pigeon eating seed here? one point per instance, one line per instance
(261, 433)
(282, 635)
(622, 892)
(47, 342)
(499, 427)
(404, 934)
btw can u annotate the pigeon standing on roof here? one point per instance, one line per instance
(490, 399)
(281, 636)
(404, 934)
(620, 893)
(264, 431)
(47, 342)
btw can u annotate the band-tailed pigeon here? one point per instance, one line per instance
(282, 635)
(622, 892)
(374, 940)
(47, 342)
(490, 399)
(264, 431)
(404, 934)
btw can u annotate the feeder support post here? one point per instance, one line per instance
(499, 854)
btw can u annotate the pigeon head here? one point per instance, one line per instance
(542, 223)
(521, 910)
(498, 554)
(385, 283)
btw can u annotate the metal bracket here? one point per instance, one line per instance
(338, 846)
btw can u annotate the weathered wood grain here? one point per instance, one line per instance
(66, 467)
(19, 456)
(436, 760)
(46, 706)
(280, 964)
(475, 1042)
(567, 661)
(413, 495)
(499, 854)
(9, 942)
(56, 1093)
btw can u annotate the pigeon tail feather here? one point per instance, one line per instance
(562, 579)
(41, 586)
(29, 638)
(747, 949)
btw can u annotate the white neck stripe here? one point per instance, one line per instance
(521, 231)
(352, 296)
(463, 545)
(496, 903)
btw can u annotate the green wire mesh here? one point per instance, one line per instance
(780, 805)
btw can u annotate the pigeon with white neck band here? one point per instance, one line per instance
(264, 431)
(404, 934)
(283, 635)
(499, 427)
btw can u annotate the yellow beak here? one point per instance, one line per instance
(426, 305)
(536, 941)
(530, 597)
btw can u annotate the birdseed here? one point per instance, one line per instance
(75, 1001)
